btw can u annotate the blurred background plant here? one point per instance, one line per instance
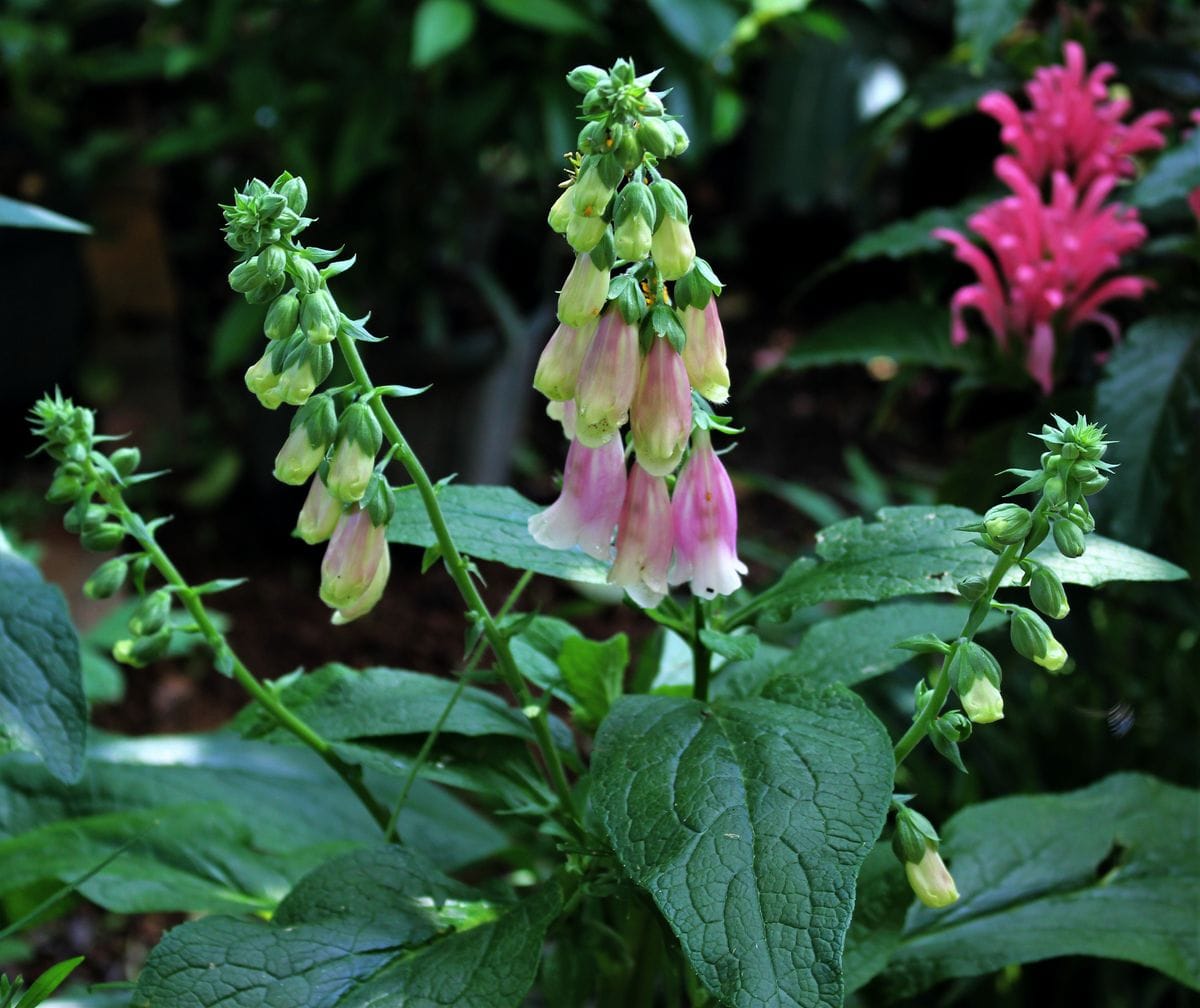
(828, 140)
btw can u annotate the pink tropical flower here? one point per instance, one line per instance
(645, 535)
(1051, 264)
(705, 513)
(590, 503)
(1072, 125)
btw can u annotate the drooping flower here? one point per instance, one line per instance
(930, 880)
(704, 352)
(1051, 264)
(607, 381)
(299, 457)
(583, 293)
(352, 559)
(645, 536)
(558, 367)
(587, 510)
(369, 598)
(1072, 125)
(661, 412)
(705, 512)
(319, 514)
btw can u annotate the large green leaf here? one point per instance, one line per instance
(702, 27)
(489, 523)
(983, 23)
(15, 213)
(1149, 399)
(746, 821)
(1112, 870)
(908, 333)
(440, 27)
(206, 822)
(42, 705)
(917, 550)
(912, 235)
(1175, 174)
(342, 923)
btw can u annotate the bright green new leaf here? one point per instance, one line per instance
(746, 821)
(1112, 870)
(42, 705)
(440, 27)
(593, 672)
(489, 523)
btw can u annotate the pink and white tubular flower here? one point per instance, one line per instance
(661, 412)
(607, 380)
(1072, 125)
(705, 514)
(704, 352)
(645, 535)
(352, 560)
(1053, 263)
(590, 503)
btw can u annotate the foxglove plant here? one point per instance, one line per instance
(639, 341)
(1053, 257)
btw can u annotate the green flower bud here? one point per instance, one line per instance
(305, 371)
(1094, 485)
(63, 488)
(126, 460)
(244, 277)
(930, 880)
(628, 151)
(104, 537)
(982, 702)
(1031, 637)
(268, 290)
(670, 200)
(1047, 593)
(78, 520)
(560, 212)
(283, 316)
(593, 139)
(359, 440)
(972, 587)
(272, 261)
(954, 726)
(593, 186)
(296, 194)
(656, 137)
(298, 458)
(633, 217)
(913, 832)
(319, 317)
(585, 233)
(1082, 517)
(584, 78)
(1008, 523)
(306, 274)
(151, 614)
(107, 579)
(1068, 537)
(141, 651)
(1055, 492)
(681, 138)
(261, 377)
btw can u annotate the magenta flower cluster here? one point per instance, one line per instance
(1056, 241)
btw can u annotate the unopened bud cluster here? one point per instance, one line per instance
(639, 339)
(335, 436)
(83, 476)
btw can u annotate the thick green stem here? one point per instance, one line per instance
(460, 573)
(979, 610)
(701, 656)
(192, 602)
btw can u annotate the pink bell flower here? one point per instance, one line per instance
(607, 381)
(645, 535)
(586, 511)
(705, 514)
(352, 559)
(661, 412)
(319, 515)
(369, 598)
(704, 352)
(1072, 125)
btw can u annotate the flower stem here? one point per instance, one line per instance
(460, 573)
(979, 610)
(350, 773)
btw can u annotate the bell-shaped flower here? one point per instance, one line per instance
(352, 559)
(645, 534)
(704, 352)
(607, 381)
(930, 880)
(558, 367)
(632, 238)
(586, 511)
(982, 702)
(298, 458)
(584, 232)
(705, 513)
(672, 247)
(370, 598)
(358, 441)
(583, 293)
(319, 515)
(661, 412)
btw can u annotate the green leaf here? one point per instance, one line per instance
(440, 27)
(1149, 398)
(48, 983)
(1175, 174)
(746, 821)
(15, 213)
(982, 24)
(703, 27)
(880, 904)
(739, 647)
(594, 672)
(342, 922)
(918, 550)
(913, 235)
(908, 333)
(1111, 870)
(42, 705)
(490, 523)
(555, 17)
(213, 822)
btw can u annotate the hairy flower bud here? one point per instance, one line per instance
(583, 294)
(1068, 537)
(661, 411)
(558, 367)
(1047, 593)
(930, 880)
(704, 352)
(107, 579)
(1008, 523)
(319, 317)
(593, 489)
(607, 380)
(283, 316)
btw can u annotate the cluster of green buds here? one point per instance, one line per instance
(915, 843)
(90, 482)
(335, 435)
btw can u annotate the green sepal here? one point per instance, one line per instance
(604, 254)
(103, 537)
(218, 585)
(272, 261)
(954, 726)
(360, 426)
(379, 501)
(656, 137)
(925, 643)
(356, 329)
(432, 554)
(662, 321)
(1068, 537)
(319, 417)
(634, 200)
(947, 747)
(125, 461)
(626, 292)
(107, 579)
(151, 614)
(295, 192)
(338, 268)
(304, 271)
(670, 199)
